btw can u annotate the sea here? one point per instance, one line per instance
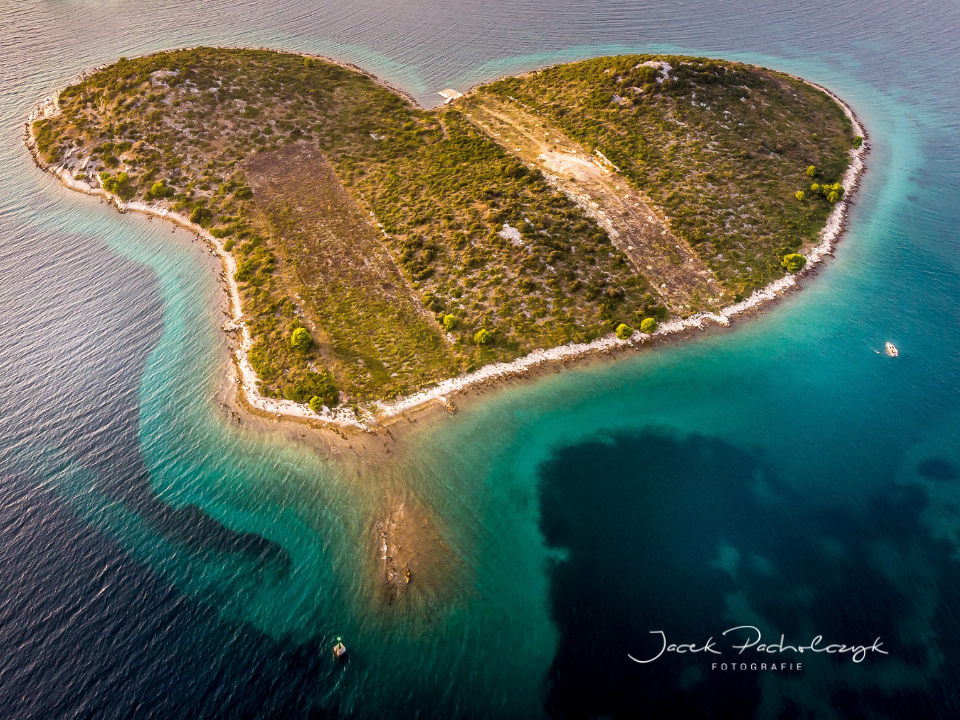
(783, 480)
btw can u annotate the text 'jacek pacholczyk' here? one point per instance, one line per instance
(752, 642)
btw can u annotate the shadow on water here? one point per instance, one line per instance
(692, 536)
(87, 633)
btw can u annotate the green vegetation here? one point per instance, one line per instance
(721, 147)
(832, 193)
(327, 391)
(624, 331)
(794, 262)
(118, 184)
(413, 244)
(159, 190)
(648, 326)
(300, 339)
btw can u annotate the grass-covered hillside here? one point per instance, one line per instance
(382, 247)
(722, 148)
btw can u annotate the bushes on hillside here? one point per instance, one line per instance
(200, 215)
(648, 326)
(794, 262)
(160, 190)
(624, 331)
(832, 193)
(117, 184)
(327, 392)
(312, 387)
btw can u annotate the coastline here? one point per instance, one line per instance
(374, 413)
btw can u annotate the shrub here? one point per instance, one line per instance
(793, 262)
(449, 322)
(159, 190)
(200, 216)
(108, 182)
(305, 387)
(857, 142)
(300, 340)
(624, 331)
(815, 188)
(648, 326)
(833, 197)
(229, 245)
(811, 170)
(483, 337)
(800, 195)
(119, 185)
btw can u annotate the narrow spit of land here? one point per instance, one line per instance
(377, 250)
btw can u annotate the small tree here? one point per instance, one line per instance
(316, 403)
(793, 263)
(449, 322)
(800, 195)
(159, 190)
(300, 340)
(811, 170)
(108, 182)
(624, 331)
(200, 215)
(483, 337)
(815, 188)
(648, 326)
(833, 197)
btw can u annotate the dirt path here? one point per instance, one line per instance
(683, 281)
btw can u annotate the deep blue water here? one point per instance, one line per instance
(158, 562)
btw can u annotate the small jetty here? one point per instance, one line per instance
(339, 650)
(891, 349)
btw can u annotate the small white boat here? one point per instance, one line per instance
(892, 350)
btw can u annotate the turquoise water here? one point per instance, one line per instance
(781, 474)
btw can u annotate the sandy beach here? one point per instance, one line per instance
(441, 395)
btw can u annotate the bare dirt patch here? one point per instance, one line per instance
(372, 330)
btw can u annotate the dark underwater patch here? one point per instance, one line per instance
(937, 469)
(693, 536)
(90, 632)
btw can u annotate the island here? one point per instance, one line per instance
(378, 255)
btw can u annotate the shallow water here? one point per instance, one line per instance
(782, 474)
